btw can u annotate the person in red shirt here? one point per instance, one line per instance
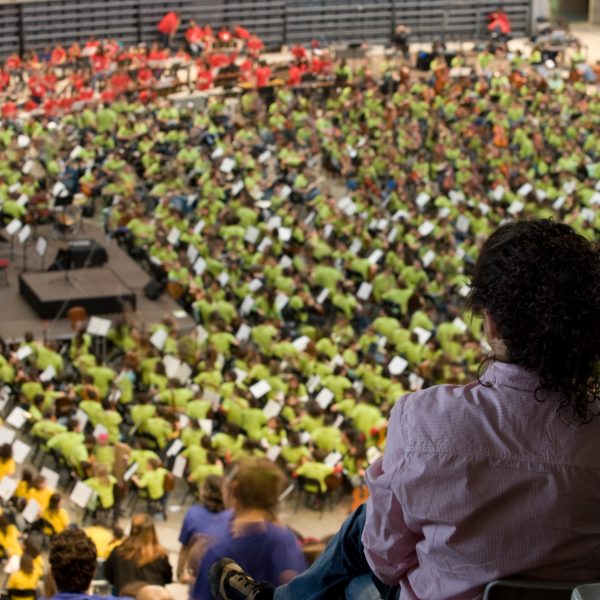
(254, 45)
(295, 74)
(168, 27)
(74, 52)
(145, 77)
(224, 35)
(299, 52)
(241, 32)
(204, 78)
(262, 74)
(194, 36)
(13, 62)
(58, 56)
(120, 82)
(218, 60)
(4, 80)
(9, 110)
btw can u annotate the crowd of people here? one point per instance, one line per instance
(322, 238)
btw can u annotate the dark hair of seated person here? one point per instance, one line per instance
(72, 561)
(539, 281)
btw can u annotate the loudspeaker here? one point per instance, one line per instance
(153, 290)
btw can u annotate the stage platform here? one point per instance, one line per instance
(17, 316)
(100, 291)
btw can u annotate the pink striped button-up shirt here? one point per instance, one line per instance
(480, 482)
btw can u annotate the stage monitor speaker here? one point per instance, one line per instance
(153, 290)
(79, 254)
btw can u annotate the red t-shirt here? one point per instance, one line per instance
(255, 44)
(299, 52)
(13, 62)
(241, 32)
(144, 76)
(99, 62)
(194, 34)
(204, 80)
(168, 24)
(58, 56)
(263, 75)
(9, 109)
(295, 75)
(225, 36)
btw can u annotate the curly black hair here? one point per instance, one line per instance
(540, 282)
(72, 560)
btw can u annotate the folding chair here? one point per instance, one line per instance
(523, 588)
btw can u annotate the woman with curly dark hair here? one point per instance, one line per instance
(491, 479)
(537, 286)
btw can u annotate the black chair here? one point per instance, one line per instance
(523, 588)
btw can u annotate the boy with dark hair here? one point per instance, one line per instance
(73, 565)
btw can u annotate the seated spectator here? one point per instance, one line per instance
(73, 565)
(204, 523)
(9, 538)
(139, 558)
(25, 578)
(266, 549)
(7, 464)
(55, 518)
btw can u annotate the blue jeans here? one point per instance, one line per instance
(341, 571)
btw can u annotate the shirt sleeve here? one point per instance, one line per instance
(389, 544)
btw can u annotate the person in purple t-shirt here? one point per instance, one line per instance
(491, 479)
(204, 523)
(267, 550)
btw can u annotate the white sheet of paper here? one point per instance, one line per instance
(285, 234)
(223, 278)
(173, 237)
(516, 207)
(415, 382)
(255, 285)
(460, 324)
(355, 246)
(464, 291)
(525, 190)
(558, 203)
(397, 365)
(31, 512)
(18, 417)
(422, 199)
(247, 305)
(199, 266)
(273, 453)
(240, 376)
(98, 326)
(260, 388)
(456, 196)
(201, 334)
(400, 214)
(48, 374)
(8, 486)
(587, 214)
(392, 235)
(301, 343)
(323, 295)
(324, 398)
(13, 227)
(171, 364)
(540, 194)
(199, 227)
(13, 564)
(131, 471)
(81, 494)
(24, 234)
(569, 187)
(159, 338)
(183, 373)
(51, 477)
(462, 224)
(274, 222)
(264, 244)
(227, 165)
(498, 193)
(428, 258)
(373, 454)
(243, 333)
(252, 234)
(192, 254)
(332, 459)
(595, 198)
(312, 383)
(99, 430)
(422, 334)
(264, 157)
(364, 291)
(23, 352)
(211, 396)
(217, 153)
(41, 246)
(426, 228)
(183, 421)
(237, 187)
(175, 448)
(206, 425)
(281, 301)
(81, 418)
(179, 466)
(272, 409)
(375, 256)
(285, 191)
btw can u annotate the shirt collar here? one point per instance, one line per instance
(511, 375)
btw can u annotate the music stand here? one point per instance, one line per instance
(11, 229)
(24, 236)
(41, 247)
